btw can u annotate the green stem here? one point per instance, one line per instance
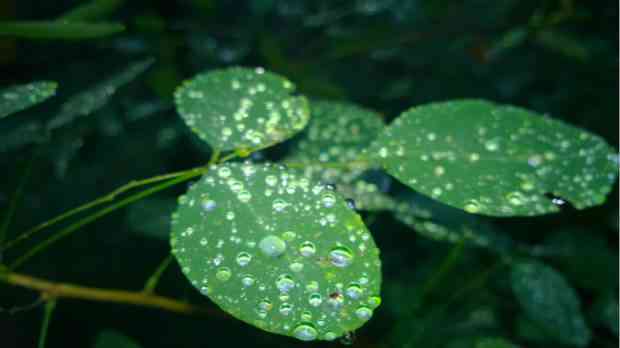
(151, 283)
(15, 200)
(97, 215)
(101, 200)
(449, 261)
(50, 305)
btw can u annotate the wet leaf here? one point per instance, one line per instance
(114, 339)
(95, 97)
(277, 251)
(496, 159)
(241, 108)
(328, 149)
(17, 98)
(59, 29)
(550, 302)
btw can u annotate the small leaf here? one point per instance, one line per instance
(241, 108)
(329, 148)
(114, 339)
(493, 342)
(495, 159)
(277, 251)
(17, 98)
(59, 29)
(95, 97)
(550, 302)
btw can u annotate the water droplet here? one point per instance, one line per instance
(516, 198)
(272, 246)
(243, 258)
(328, 199)
(350, 203)
(285, 308)
(289, 236)
(271, 180)
(247, 280)
(305, 332)
(307, 249)
(336, 300)
(306, 316)
(223, 274)
(340, 256)
(224, 172)
(492, 145)
(330, 336)
(265, 305)
(208, 204)
(472, 206)
(285, 282)
(315, 299)
(313, 286)
(244, 196)
(354, 291)
(363, 313)
(296, 266)
(374, 301)
(279, 204)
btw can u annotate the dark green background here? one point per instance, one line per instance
(383, 54)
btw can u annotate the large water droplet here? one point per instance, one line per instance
(315, 299)
(285, 282)
(307, 249)
(223, 274)
(285, 308)
(279, 204)
(247, 280)
(335, 300)
(354, 291)
(472, 206)
(328, 199)
(208, 204)
(330, 336)
(244, 196)
(265, 305)
(363, 313)
(296, 266)
(374, 301)
(272, 246)
(340, 256)
(243, 258)
(305, 332)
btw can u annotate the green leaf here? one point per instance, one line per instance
(114, 339)
(329, 149)
(550, 302)
(20, 97)
(495, 159)
(91, 10)
(59, 29)
(277, 251)
(241, 108)
(493, 342)
(95, 97)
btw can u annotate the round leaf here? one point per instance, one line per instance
(550, 302)
(240, 108)
(496, 159)
(277, 251)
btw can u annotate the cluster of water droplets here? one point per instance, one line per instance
(278, 251)
(493, 159)
(241, 108)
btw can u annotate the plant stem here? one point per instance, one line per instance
(138, 298)
(97, 215)
(50, 305)
(101, 200)
(10, 212)
(151, 283)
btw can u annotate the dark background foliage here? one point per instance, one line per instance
(555, 57)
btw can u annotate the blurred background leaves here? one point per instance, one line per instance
(556, 57)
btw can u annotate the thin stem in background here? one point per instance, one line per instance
(17, 195)
(151, 283)
(101, 200)
(50, 305)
